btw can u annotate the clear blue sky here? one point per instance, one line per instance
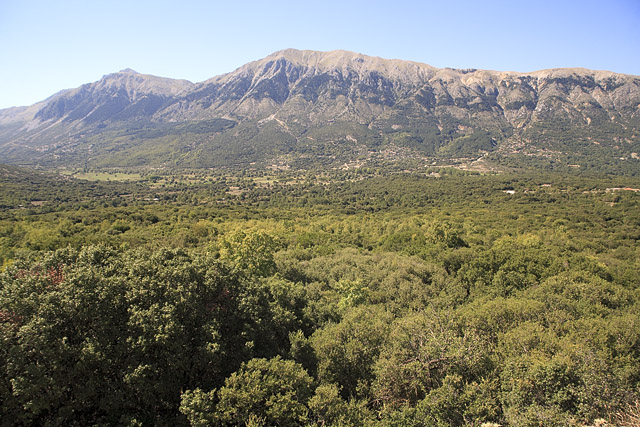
(47, 45)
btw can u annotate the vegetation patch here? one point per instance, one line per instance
(365, 296)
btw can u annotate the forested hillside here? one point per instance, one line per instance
(335, 297)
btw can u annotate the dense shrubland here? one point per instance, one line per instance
(355, 299)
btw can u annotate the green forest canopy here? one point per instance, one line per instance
(349, 298)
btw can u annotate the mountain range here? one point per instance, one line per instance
(299, 108)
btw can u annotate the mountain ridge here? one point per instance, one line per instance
(294, 100)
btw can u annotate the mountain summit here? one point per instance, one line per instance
(333, 106)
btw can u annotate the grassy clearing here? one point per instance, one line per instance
(107, 176)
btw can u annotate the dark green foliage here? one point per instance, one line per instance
(346, 351)
(271, 392)
(326, 407)
(469, 145)
(96, 335)
(368, 297)
(422, 351)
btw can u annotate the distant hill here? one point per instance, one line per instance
(299, 108)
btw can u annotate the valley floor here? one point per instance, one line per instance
(354, 297)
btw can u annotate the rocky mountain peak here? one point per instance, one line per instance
(346, 61)
(295, 99)
(136, 84)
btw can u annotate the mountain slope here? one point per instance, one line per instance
(301, 107)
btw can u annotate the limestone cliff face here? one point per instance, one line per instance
(303, 96)
(314, 79)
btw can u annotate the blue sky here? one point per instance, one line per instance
(47, 46)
